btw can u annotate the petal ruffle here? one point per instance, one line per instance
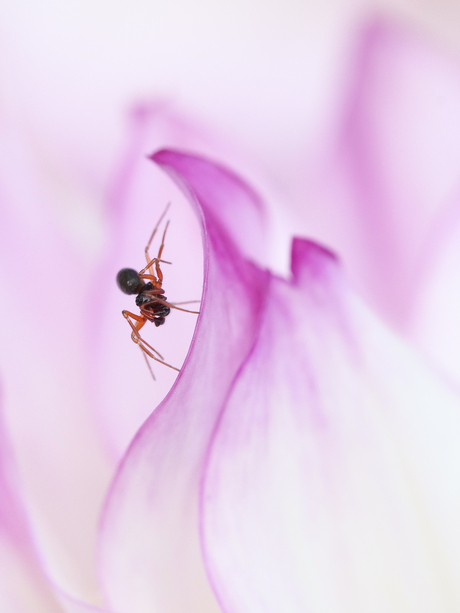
(332, 483)
(150, 549)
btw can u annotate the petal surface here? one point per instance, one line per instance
(62, 470)
(120, 381)
(394, 166)
(332, 483)
(435, 313)
(150, 556)
(23, 585)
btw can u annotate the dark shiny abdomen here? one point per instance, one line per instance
(150, 306)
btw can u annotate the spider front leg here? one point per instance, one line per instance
(151, 277)
(156, 260)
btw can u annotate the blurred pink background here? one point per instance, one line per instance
(294, 96)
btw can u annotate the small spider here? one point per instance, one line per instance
(151, 300)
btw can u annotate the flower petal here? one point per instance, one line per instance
(436, 311)
(23, 586)
(395, 165)
(120, 381)
(150, 550)
(63, 472)
(332, 483)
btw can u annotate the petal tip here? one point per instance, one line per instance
(310, 261)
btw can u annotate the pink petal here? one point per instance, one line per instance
(150, 550)
(23, 586)
(61, 467)
(395, 165)
(332, 483)
(436, 311)
(120, 381)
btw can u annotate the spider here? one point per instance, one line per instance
(151, 300)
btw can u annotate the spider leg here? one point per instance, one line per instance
(172, 306)
(141, 343)
(140, 323)
(143, 275)
(156, 261)
(158, 258)
(147, 256)
(145, 344)
(148, 364)
(186, 302)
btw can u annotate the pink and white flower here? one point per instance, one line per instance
(306, 458)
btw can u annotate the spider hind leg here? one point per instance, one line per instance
(143, 345)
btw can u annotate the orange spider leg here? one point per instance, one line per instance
(142, 272)
(143, 275)
(172, 306)
(148, 363)
(135, 335)
(158, 258)
(141, 343)
(186, 302)
(147, 256)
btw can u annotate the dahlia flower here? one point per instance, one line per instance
(306, 457)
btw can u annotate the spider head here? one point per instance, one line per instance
(129, 281)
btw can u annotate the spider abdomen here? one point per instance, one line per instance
(152, 305)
